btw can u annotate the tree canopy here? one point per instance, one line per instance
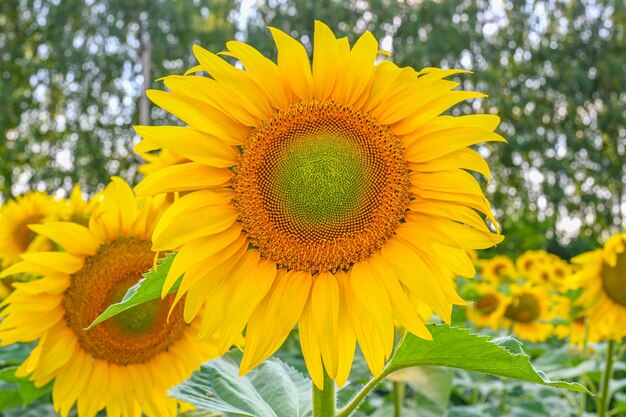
(72, 82)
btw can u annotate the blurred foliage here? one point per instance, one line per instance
(554, 71)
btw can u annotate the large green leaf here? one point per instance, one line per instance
(273, 389)
(453, 347)
(458, 348)
(147, 289)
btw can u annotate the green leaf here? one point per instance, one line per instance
(458, 348)
(15, 354)
(147, 289)
(25, 389)
(273, 389)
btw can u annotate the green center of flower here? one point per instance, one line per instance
(321, 186)
(135, 335)
(139, 319)
(320, 179)
(614, 280)
(524, 309)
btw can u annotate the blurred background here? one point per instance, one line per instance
(73, 73)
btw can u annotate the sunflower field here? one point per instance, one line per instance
(312, 208)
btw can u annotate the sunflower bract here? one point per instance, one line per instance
(333, 195)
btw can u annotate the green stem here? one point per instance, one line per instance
(399, 389)
(324, 401)
(358, 398)
(582, 405)
(605, 396)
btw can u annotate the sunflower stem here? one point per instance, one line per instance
(399, 389)
(582, 405)
(324, 400)
(605, 396)
(359, 397)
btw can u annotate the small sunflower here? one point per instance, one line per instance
(334, 196)
(602, 277)
(125, 364)
(487, 308)
(15, 216)
(528, 261)
(498, 268)
(527, 313)
(573, 329)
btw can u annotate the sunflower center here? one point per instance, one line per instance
(135, 335)
(321, 186)
(523, 309)
(486, 304)
(614, 280)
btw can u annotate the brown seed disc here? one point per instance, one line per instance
(135, 335)
(321, 186)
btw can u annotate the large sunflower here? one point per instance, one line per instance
(126, 364)
(334, 196)
(602, 277)
(15, 216)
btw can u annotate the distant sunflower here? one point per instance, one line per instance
(573, 327)
(497, 268)
(333, 196)
(15, 216)
(528, 313)
(487, 308)
(602, 277)
(528, 261)
(125, 364)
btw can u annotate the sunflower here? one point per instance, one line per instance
(15, 216)
(497, 268)
(528, 261)
(333, 196)
(571, 325)
(125, 364)
(602, 277)
(527, 313)
(487, 308)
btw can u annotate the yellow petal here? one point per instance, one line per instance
(275, 317)
(183, 222)
(356, 71)
(403, 309)
(416, 275)
(59, 261)
(371, 316)
(188, 255)
(73, 237)
(263, 71)
(310, 345)
(441, 142)
(247, 286)
(183, 177)
(346, 338)
(325, 61)
(201, 116)
(325, 315)
(192, 144)
(464, 158)
(293, 61)
(431, 109)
